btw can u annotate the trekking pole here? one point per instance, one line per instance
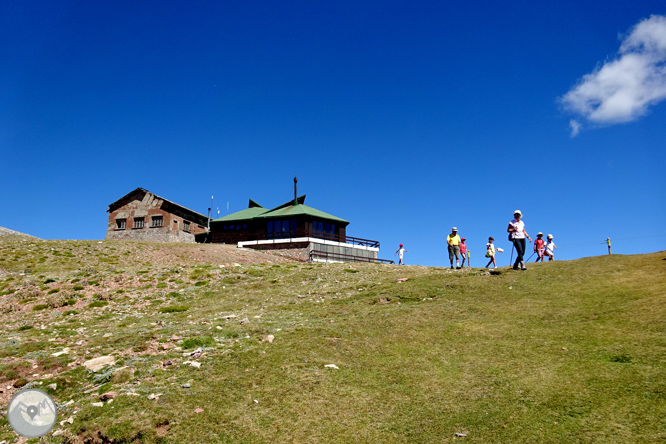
(528, 259)
(511, 260)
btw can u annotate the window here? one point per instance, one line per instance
(158, 221)
(120, 224)
(138, 222)
(186, 226)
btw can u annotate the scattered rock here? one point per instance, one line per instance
(244, 321)
(98, 404)
(269, 338)
(402, 280)
(167, 363)
(198, 410)
(63, 352)
(331, 366)
(108, 395)
(186, 385)
(461, 435)
(155, 396)
(53, 386)
(193, 363)
(97, 364)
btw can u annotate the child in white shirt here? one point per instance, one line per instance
(550, 248)
(401, 251)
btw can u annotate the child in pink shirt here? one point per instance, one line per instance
(463, 252)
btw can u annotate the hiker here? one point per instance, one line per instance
(453, 241)
(491, 252)
(463, 252)
(550, 248)
(517, 235)
(539, 246)
(401, 251)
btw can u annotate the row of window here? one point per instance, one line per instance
(287, 226)
(139, 222)
(323, 227)
(157, 221)
(235, 227)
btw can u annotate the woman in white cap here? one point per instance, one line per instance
(517, 235)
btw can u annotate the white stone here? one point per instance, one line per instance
(96, 364)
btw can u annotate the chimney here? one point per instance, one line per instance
(295, 190)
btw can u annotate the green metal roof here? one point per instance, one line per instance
(253, 210)
(299, 210)
(288, 209)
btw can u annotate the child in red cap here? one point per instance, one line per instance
(401, 251)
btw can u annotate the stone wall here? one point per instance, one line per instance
(147, 208)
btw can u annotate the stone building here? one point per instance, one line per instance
(142, 215)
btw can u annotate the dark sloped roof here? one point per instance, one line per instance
(120, 202)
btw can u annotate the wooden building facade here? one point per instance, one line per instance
(304, 232)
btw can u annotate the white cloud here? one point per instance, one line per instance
(575, 127)
(622, 89)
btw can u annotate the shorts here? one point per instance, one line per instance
(454, 250)
(541, 251)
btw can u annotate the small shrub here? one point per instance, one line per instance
(88, 269)
(173, 309)
(162, 285)
(70, 312)
(104, 296)
(25, 301)
(57, 300)
(200, 283)
(77, 288)
(98, 304)
(40, 307)
(199, 341)
(25, 327)
(20, 382)
(48, 281)
(54, 290)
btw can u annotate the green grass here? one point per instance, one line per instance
(566, 352)
(173, 309)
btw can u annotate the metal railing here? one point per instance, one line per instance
(318, 254)
(234, 236)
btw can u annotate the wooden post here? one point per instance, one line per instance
(609, 245)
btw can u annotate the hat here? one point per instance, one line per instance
(539, 233)
(454, 229)
(517, 212)
(491, 238)
(401, 245)
(550, 236)
(463, 239)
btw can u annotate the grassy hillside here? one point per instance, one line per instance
(211, 344)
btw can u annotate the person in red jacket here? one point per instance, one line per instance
(539, 247)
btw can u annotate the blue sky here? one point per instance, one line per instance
(405, 118)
